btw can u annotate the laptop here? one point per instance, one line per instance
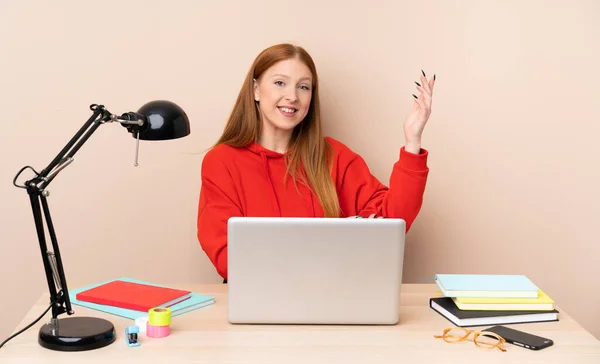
(341, 271)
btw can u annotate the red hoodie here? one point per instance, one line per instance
(249, 182)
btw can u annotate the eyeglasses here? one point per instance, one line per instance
(484, 339)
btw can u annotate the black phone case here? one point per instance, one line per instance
(521, 338)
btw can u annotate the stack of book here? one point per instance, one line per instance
(132, 298)
(491, 299)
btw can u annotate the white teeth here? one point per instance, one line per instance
(288, 110)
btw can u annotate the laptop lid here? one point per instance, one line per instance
(314, 270)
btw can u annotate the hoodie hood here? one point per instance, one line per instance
(266, 155)
(256, 148)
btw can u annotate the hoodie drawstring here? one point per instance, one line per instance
(274, 200)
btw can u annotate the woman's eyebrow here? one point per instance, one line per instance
(285, 76)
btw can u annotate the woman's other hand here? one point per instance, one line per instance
(372, 216)
(417, 118)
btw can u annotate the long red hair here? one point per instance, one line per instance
(310, 158)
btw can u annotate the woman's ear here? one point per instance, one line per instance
(255, 89)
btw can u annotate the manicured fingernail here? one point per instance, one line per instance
(415, 96)
(423, 73)
(418, 84)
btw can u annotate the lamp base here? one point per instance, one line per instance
(77, 334)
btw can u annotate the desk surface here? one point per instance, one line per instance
(205, 336)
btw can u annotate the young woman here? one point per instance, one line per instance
(273, 159)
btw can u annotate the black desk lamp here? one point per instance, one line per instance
(156, 120)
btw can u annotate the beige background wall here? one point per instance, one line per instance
(514, 137)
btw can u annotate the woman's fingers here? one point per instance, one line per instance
(425, 82)
(422, 89)
(426, 96)
(419, 101)
(424, 92)
(372, 216)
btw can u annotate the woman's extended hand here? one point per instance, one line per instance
(418, 116)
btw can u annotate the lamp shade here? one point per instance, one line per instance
(164, 120)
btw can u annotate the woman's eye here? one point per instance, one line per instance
(280, 83)
(304, 87)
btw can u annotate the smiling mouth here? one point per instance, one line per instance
(289, 110)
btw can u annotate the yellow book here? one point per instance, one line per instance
(542, 303)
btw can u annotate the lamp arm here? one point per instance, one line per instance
(132, 121)
(98, 109)
(36, 188)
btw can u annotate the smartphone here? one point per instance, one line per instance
(521, 338)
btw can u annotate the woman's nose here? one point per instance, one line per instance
(291, 95)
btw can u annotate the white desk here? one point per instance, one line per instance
(205, 336)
